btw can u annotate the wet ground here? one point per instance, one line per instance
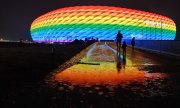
(101, 77)
(106, 78)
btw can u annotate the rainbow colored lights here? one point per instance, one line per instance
(102, 22)
(101, 75)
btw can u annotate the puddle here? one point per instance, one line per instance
(96, 73)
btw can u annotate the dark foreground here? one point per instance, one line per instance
(28, 78)
(24, 66)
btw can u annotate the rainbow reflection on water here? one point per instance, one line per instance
(104, 74)
(113, 69)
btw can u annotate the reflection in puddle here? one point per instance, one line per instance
(103, 72)
(105, 79)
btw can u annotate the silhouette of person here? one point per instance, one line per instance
(118, 40)
(85, 41)
(124, 45)
(133, 42)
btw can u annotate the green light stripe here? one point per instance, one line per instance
(100, 26)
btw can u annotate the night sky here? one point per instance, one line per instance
(16, 16)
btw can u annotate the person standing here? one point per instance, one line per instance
(133, 42)
(118, 40)
(124, 45)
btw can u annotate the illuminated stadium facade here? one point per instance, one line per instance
(102, 22)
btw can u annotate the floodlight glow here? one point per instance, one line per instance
(103, 22)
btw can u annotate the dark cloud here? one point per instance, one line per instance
(17, 15)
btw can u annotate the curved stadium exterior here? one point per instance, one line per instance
(102, 22)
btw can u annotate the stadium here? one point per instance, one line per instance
(102, 22)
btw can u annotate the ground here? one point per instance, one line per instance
(98, 76)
